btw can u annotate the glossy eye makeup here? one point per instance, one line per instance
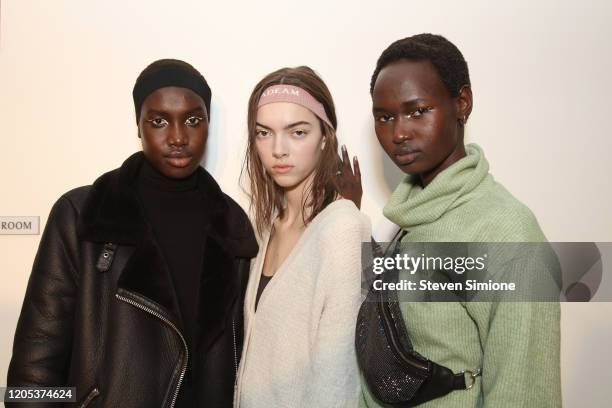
(158, 122)
(193, 121)
(417, 113)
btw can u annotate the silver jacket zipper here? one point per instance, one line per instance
(90, 397)
(164, 319)
(235, 350)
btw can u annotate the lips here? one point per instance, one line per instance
(282, 168)
(406, 156)
(178, 158)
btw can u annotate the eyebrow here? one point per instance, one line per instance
(197, 109)
(410, 102)
(289, 126)
(413, 101)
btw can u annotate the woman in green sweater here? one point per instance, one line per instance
(421, 101)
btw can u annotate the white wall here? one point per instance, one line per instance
(540, 75)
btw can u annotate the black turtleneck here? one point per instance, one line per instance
(174, 208)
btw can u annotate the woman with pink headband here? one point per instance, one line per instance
(303, 293)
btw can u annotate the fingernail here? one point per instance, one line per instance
(344, 148)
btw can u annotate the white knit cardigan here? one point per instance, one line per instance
(299, 347)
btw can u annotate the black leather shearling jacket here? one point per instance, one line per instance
(99, 313)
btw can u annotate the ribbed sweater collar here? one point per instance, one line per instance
(411, 205)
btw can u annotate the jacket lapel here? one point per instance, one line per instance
(218, 292)
(112, 213)
(229, 236)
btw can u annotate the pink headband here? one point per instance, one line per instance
(294, 94)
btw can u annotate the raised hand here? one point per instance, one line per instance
(349, 178)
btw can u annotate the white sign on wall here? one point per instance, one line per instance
(26, 225)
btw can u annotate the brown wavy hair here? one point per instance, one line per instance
(266, 195)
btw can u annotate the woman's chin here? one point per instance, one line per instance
(286, 183)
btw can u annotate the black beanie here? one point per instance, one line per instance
(169, 72)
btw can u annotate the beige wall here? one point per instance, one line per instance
(541, 80)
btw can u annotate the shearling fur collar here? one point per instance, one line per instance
(112, 213)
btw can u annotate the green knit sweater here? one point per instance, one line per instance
(517, 345)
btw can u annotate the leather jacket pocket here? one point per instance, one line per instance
(90, 397)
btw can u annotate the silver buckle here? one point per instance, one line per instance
(472, 376)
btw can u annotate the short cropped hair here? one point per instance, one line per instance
(443, 55)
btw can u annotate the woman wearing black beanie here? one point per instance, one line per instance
(135, 297)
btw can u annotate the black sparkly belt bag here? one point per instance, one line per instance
(395, 373)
